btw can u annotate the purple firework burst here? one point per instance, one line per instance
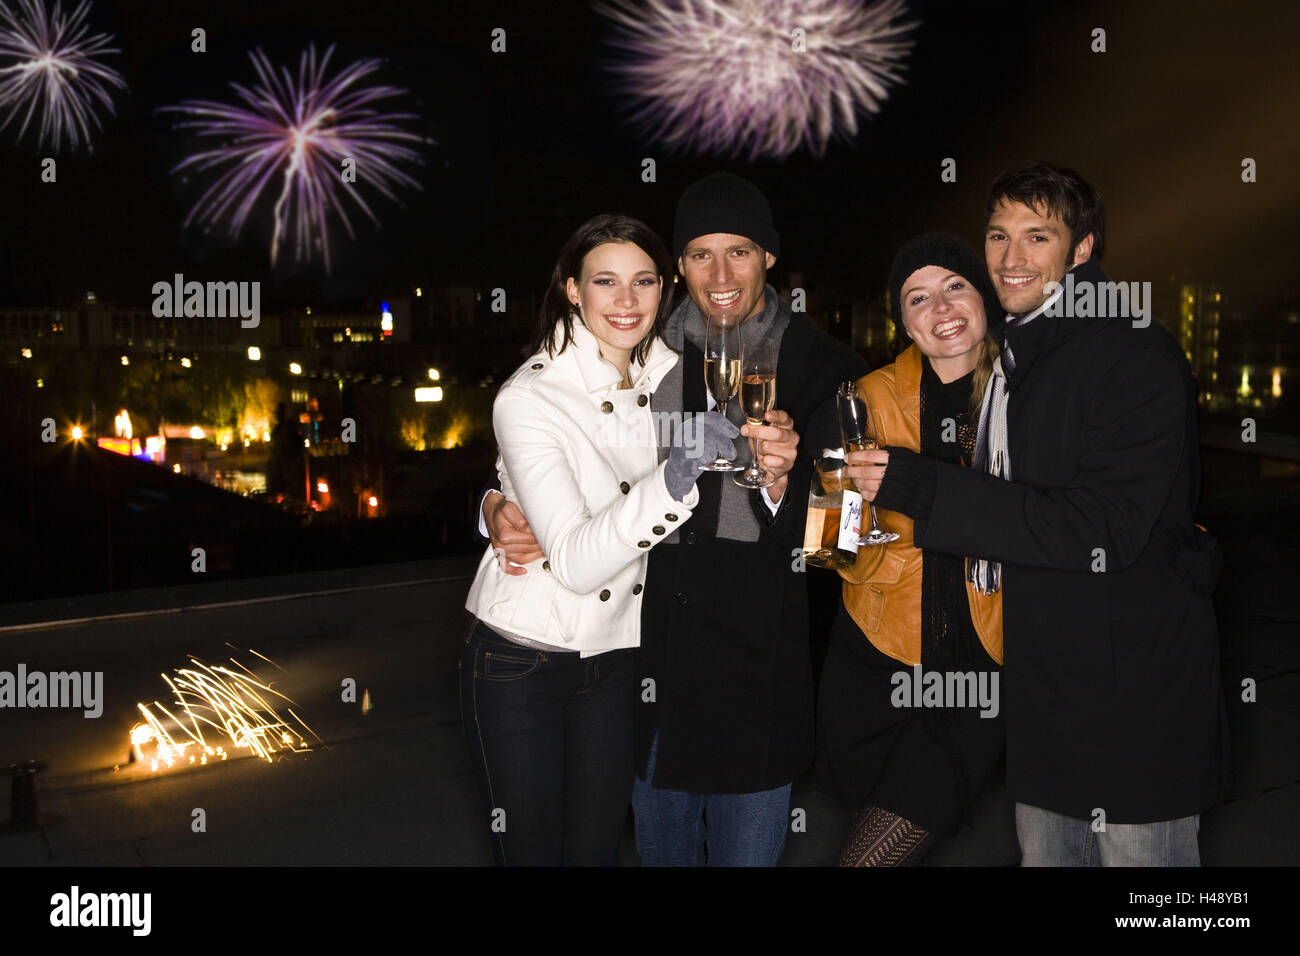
(50, 67)
(756, 78)
(294, 136)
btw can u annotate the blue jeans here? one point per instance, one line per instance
(677, 828)
(1053, 839)
(550, 735)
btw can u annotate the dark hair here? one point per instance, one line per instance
(1061, 192)
(557, 311)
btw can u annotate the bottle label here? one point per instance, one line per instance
(850, 521)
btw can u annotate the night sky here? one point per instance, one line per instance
(531, 142)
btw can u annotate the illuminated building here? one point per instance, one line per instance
(1200, 305)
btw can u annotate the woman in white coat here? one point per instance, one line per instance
(547, 683)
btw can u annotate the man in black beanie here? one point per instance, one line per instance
(725, 720)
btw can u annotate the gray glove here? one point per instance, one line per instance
(696, 442)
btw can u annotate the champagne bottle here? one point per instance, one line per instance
(834, 514)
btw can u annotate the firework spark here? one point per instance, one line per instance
(301, 128)
(215, 708)
(50, 68)
(755, 78)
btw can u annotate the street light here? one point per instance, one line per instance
(254, 353)
(434, 375)
(76, 433)
(295, 368)
(125, 360)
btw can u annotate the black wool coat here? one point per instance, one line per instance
(1111, 688)
(724, 632)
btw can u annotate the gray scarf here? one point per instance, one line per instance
(736, 520)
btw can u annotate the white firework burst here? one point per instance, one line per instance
(49, 67)
(756, 78)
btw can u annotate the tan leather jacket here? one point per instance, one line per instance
(882, 591)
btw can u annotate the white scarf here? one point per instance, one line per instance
(992, 450)
(994, 456)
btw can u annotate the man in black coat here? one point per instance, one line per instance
(725, 722)
(1083, 514)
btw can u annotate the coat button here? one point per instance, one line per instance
(643, 544)
(636, 589)
(537, 365)
(604, 595)
(670, 516)
(624, 487)
(546, 565)
(606, 407)
(690, 537)
(682, 598)
(657, 529)
(642, 400)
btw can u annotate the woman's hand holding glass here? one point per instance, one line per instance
(866, 468)
(697, 442)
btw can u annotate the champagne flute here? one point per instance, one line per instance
(721, 373)
(858, 432)
(757, 398)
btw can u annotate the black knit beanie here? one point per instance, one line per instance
(721, 202)
(950, 252)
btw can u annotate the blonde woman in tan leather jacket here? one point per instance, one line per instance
(909, 727)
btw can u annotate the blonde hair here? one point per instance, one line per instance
(989, 352)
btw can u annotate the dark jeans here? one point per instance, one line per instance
(551, 737)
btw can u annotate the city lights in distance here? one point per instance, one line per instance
(428, 393)
(176, 468)
(295, 368)
(27, 353)
(185, 362)
(254, 354)
(418, 292)
(125, 360)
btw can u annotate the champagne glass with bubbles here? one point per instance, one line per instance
(859, 434)
(757, 398)
(721, 373)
